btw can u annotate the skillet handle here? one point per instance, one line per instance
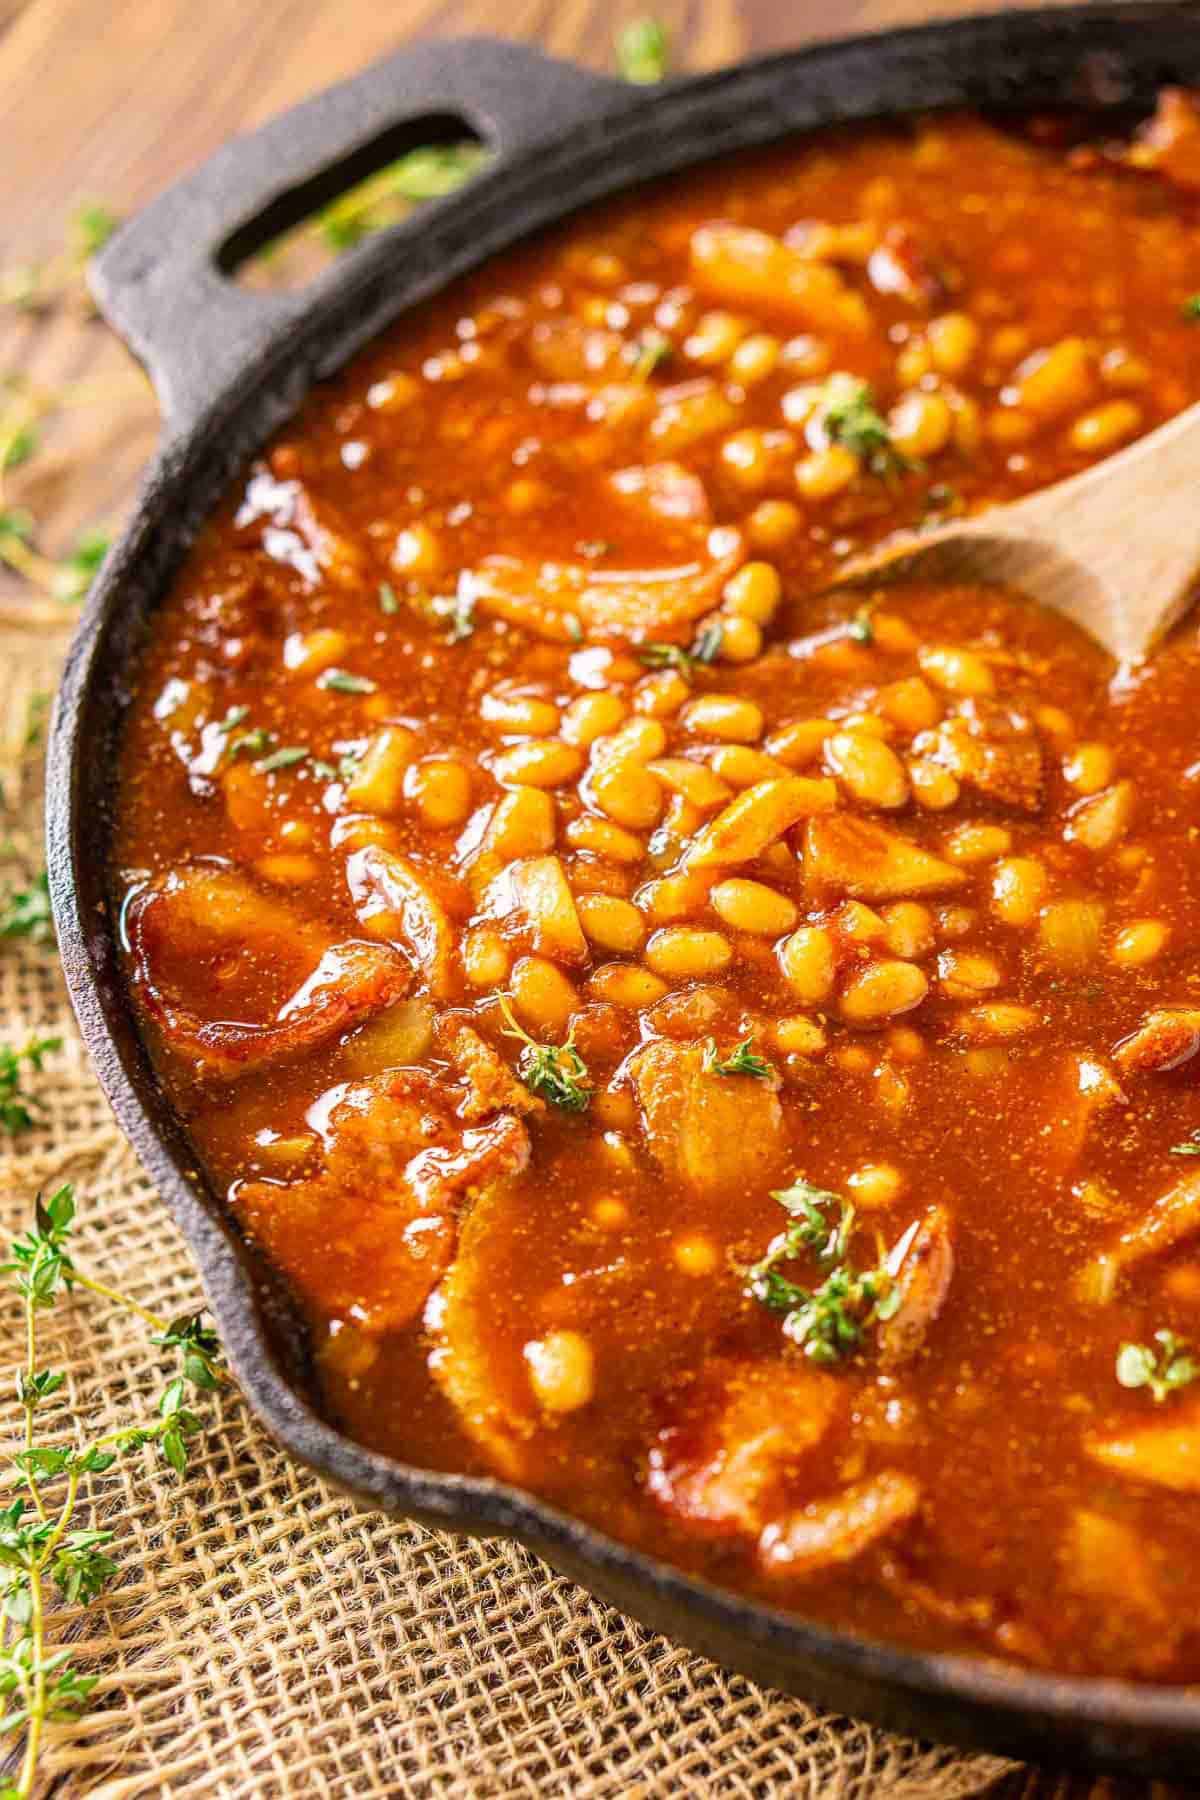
(158, 282)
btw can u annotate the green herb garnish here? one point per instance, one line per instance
(76, 572)
(555, 1071)
(458, 610)
(19, 1109)
(831, 1320)
(253, 742)
(388, 603)
(742, 1060)
(342, 682)
(16, 524)
(940, 499)
(705, 650)
(38, 1546)
(92, 224)
(649, 353)
(1189, 1147)
(33, 286)
(848, 412)
(643, 51)
(285, 758)
(26, 912)
(35, 719)
(17, 446)
(861, 628)
(427, 173)
(1163, 1371)
(1191, 307)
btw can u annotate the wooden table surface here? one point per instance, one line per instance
(110, 99)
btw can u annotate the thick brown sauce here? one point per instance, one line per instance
(473, 427)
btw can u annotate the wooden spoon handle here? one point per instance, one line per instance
(1132, 522)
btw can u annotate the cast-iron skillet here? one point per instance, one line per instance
(229, 367)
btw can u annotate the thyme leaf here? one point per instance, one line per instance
(26, 912)
(832, 1320)
(742, 1060)
(642, 51)
(1162, 1370)
(704, 650)
(846, 408)
(343, 682)
(284, 758)
(556, 1072)
(40, 1542)
(19, 1109)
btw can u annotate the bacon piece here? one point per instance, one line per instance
(1165, 1038)
(901, 265)
(709, 1131)
(1074, 1095)
(1174, 1216)
(744, 1428)
(534, 896)
(988, 748)
(853, 856)
(394, 900)
(307, 534)
(491, 1086)
(753, 269)
(922, 1267)
(1163, 1455)
(561, 600)
(197, 927)
(663, 490)
(1170, 142)
(1112, 1568)
(836, 1530)
(759, 816)
(490, 1395)
(568, 350)
(375, 1229)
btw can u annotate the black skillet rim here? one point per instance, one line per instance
(994, 59)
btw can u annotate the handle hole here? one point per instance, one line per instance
(307, 227)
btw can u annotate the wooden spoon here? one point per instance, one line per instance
(1116, 548)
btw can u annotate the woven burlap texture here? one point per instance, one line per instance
(266, 1637)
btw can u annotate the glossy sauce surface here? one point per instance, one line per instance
(504, 707)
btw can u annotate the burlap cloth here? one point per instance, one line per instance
(265, 1636)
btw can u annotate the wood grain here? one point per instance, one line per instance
(111, 99)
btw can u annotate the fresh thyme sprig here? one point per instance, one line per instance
(22, 411)
(1162, 1370)
(650, 351)
(832, 1320)
(556, 1072)
(20, 1109)
(643, 51)
(743, 1059)
(40, 1546)
(25, 912)
(423, 174)
(457, 609)
(32, 287)
(861, 627)
(846, 409)
(704, 651)
(428, 173)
